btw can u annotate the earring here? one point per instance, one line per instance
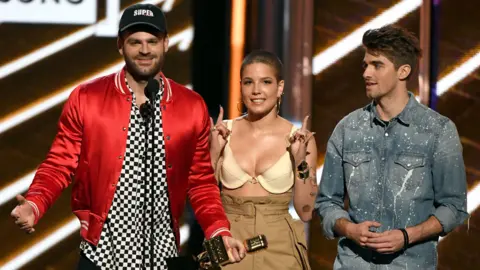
(279, 102)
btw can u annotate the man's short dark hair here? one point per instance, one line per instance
(395, 43)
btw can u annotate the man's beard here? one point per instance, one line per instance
(142, 74)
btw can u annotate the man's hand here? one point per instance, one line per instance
(235, 249)
(360, 233)
(23, 215)
(387, 242)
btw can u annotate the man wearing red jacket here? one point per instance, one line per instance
(127, 220)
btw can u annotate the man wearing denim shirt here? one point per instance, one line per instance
(400, 164)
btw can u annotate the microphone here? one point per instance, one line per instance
(152, 89)
(146, 111)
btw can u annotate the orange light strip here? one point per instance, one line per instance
(237, 42)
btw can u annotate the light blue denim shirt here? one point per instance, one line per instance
(397, 173)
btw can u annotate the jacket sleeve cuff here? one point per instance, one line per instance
(330, 220)
(220, 227)
(36, 211)
(446, 217)
(221, 231)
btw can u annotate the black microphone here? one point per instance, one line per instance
(146, 110)
(152, 89)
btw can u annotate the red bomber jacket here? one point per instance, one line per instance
(90, 146)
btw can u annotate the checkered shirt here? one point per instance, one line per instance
(125, 238)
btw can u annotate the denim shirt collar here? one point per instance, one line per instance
(405, 117)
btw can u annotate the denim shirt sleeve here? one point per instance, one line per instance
(449, 179)
(330, 200)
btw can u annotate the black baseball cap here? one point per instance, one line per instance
(143, 14)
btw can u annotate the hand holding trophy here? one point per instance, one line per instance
(216, 255)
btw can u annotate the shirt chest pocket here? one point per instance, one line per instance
(409, 170)
(356, 166)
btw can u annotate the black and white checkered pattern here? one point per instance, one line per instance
(125, 239)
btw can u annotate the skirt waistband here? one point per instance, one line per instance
(249, 206)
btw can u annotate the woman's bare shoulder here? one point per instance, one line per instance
(286, 123)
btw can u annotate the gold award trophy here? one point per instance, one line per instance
(215, 254)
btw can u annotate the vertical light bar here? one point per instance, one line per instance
(424, 65)
(237, 41)
(297, 101)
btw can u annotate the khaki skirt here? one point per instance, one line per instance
(251, 216)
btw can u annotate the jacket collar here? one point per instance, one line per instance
(123, 89)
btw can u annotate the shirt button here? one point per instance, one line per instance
(383, 158)
(168, 137)
(124, 128)
(386, 134)
(128, 99)
(164, 107)
(120, 157)
(169, 166)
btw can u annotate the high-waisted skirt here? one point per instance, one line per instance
(251, 216)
